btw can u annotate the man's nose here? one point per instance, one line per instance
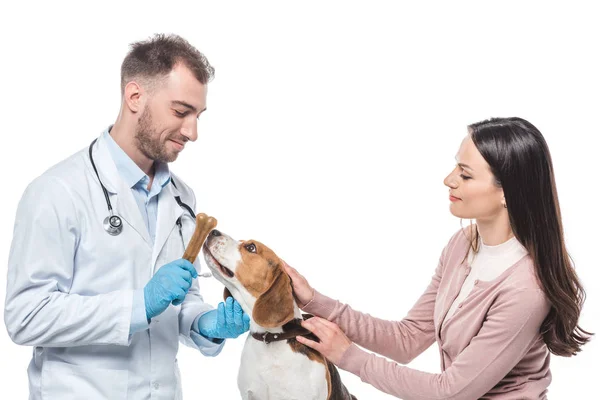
(190, 130)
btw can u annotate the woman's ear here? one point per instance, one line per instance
(275, 307)
(502, 198)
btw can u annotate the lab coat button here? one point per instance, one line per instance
(156, 385)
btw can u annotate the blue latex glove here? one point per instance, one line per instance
(170, 284)
(227, 321)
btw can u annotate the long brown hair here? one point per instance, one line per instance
(520, 161)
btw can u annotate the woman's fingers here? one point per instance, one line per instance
(310, 343)
(302, 290)
(318, 327)
(289, 270)
(333, 342)
(326, 324)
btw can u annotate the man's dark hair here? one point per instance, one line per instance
(151, 60)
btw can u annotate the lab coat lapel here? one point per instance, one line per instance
(168, 212)
(121, 197)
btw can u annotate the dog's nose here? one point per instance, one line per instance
(215, 233)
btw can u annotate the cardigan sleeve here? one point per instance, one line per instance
(511, 328)
(402, 340)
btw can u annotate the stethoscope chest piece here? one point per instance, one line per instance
(113, 225)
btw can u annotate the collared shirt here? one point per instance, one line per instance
(137, 180)
(147, 201)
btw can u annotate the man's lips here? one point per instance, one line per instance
(224, 270)
(178, 145)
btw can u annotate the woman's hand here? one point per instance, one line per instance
(303, 292)
(334, 342)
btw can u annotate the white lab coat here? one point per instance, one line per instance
(70, 286)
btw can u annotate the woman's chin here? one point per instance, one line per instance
(453, 211)
(459, 214)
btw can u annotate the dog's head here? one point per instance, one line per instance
(254, 276)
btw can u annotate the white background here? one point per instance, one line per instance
(329, 130)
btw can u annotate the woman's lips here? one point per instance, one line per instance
(452, 198)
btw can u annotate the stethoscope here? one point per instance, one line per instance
(113, 224)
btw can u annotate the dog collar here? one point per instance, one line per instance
(290, 331)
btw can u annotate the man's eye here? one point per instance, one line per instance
(180, 114)
(251, 248)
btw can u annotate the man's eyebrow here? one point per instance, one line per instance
(186, 105)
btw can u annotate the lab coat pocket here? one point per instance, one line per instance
(67, 381)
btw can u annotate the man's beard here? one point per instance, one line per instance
(148, 140)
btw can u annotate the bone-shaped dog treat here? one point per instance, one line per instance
(204, 224)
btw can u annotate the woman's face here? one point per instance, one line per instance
(473, 194)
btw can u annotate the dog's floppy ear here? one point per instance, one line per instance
(275, 307)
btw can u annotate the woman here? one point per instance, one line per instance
(503, 296)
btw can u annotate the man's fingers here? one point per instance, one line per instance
(183, 283)
(229, 310)
(179, 295)
(221, 314)
(237, 315)
(188, 266)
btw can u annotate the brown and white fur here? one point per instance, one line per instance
(253, 274)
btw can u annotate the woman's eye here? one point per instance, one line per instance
(251, 248)
(465, 177)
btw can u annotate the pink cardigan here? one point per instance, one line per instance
(490, 348)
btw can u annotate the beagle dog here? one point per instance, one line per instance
(274, 365)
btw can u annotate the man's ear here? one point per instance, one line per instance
(275, 307)
(132, 97)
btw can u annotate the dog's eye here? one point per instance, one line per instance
(251, 248)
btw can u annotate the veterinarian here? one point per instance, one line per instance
(503, 297)
(96, 283)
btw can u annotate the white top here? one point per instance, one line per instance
(488, 264)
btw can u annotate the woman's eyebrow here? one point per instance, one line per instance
(465, 166)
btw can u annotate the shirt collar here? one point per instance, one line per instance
(129, 170)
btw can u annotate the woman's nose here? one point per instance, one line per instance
(450, 181)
